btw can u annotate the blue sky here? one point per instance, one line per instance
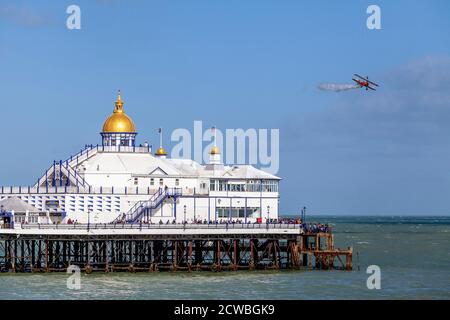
(242, 64)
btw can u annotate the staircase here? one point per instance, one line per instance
(67, 166)
(141, 207)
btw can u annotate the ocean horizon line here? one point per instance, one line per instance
(367, 215)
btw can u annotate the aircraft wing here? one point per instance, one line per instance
(361, 77)
(366, 79)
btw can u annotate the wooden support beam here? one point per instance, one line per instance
(189, 255)
(46, 256)
(126, 253)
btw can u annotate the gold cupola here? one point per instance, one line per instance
(161, 152)
(118, 121)
(118, 129)
(214, 150)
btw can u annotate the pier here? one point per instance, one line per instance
(178, 247)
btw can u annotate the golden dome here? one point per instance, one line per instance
(119, 121)
(161, 152)
(214, 150)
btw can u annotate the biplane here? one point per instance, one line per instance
(364, 82)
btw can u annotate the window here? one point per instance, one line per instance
(226, 212)
(218, 185)
(136, 181)
(236, 187)
(222, 212)
(236, 211)
(161, 182)
(222, 185)
(19, 219)
(253, 186)
(265, 186)
(177, 182)
(152, 182)
(270, 186)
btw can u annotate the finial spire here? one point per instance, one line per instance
(119, 103)
(161, 152)
(214, 149)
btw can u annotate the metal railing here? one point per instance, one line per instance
(89, 150)
(102, 148)
(80, 190)
(157, 198)
(79, 154)
(138, 149)
(170, 226)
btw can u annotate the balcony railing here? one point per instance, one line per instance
(170, 226)
(138, 149)
(88, 190)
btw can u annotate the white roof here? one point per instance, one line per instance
(146, 164)
(187, 166)
(134, 163)
(17, 205)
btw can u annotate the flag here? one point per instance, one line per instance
(159, 130)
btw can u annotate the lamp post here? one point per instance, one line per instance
(304, 215)
(184, 214)
(268, 211)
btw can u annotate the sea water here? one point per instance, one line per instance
(413, 254)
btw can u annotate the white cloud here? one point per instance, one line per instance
(23, 15)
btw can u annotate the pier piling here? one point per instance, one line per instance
(133, 253)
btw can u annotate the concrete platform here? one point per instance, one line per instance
(155, 229)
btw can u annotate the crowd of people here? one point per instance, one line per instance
(306, 227)
(316, 228)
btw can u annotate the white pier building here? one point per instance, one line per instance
(119, 180)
